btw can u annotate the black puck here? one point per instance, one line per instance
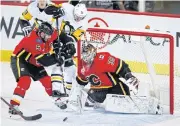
(65, 119)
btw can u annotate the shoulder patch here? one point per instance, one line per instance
(38, 40)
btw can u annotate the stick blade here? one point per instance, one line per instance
(32, 118)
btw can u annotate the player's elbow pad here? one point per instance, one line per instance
(125, 71)
(46, 59)
(24, 23)
(65, 38)
(81, 82)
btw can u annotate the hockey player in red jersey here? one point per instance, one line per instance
(28, 60)
(102, 71)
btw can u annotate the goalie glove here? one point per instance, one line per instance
(26, 30)
(133, 84)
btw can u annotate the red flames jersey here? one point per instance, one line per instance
(103, 71)
(32, 46)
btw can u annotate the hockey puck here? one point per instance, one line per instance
(65, 119)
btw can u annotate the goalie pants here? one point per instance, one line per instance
(99, 95)
(23, 72)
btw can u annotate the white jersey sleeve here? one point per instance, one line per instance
(33, 12)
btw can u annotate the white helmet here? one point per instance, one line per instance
(80, 12)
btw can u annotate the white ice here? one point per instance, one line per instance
(36, 101)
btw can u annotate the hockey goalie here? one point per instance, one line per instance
(103, 72)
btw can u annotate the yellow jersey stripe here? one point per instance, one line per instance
(19, 54)
(119, 67)
(85, 81)
(18, 67)
(112, 78)
(122, 88)
(38, 57)
(28, 56)
(99, 87)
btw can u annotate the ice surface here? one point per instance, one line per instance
(36, 101)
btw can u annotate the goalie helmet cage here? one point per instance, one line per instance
(105, 38)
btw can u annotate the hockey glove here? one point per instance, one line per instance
(58, 13)
(55, 11)
(26, 30)
(133, 84)
(69, 49)
(57, 46)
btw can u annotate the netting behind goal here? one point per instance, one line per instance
(150, 56)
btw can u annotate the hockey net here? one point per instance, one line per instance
(150, 56)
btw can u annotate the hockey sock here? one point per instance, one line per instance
(19, 92)
(46, 82)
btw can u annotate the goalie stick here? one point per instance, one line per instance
(27, 118)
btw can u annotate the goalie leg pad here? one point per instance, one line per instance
(132, 104)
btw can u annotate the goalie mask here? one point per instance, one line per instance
(80, 12)
(88, 53)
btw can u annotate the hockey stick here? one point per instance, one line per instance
(27, 118)
(57, 24)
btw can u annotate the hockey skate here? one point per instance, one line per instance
(16, 111)
(58, 94)
(61, 102)
(60, 99)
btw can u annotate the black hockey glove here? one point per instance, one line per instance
(57, 46)
(57, 12)
(69, 49)
(58, 52)
(25, 26)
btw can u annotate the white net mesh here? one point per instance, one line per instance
(149, 56)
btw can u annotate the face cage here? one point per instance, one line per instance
(88, 57)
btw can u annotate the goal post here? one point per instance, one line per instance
(140, 49)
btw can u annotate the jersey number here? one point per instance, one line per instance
(111, 60)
